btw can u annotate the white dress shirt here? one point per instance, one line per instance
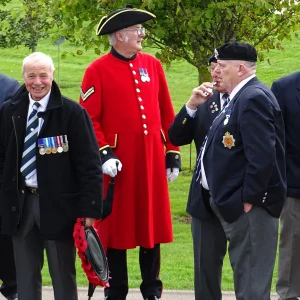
(32, 181)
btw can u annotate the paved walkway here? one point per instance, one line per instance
(134, 294)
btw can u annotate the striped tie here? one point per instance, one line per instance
(28, 167)
(226, 99)
(198, 170)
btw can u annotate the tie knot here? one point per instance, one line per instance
(36, 105)
(225, 96)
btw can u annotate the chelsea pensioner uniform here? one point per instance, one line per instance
(63, 196)
(131, 110)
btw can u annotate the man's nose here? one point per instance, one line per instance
(37, 80)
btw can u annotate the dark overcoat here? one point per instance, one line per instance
(8, 86)
(287, 92)
(69, 183)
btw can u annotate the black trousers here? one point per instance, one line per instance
(149, 265)
(7, 266)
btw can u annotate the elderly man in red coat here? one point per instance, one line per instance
(126, 94)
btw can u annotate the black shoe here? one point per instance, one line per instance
(152, 298)
(294, 298)
(13, 297)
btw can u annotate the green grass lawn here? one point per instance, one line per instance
(177, 257)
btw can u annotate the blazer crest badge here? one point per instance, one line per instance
(228, 140)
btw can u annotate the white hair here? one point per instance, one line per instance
(250, 66)
(113, 39)
(38, 57)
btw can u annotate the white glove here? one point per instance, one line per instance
(172, 175)
(111, 167)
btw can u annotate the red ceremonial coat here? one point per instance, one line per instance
(131, 115)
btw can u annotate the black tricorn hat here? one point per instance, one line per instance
(236, 51)
(122, 18)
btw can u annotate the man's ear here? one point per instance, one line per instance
(241, 70)
(121, 36)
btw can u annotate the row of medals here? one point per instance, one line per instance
(47, 150)
(144, 75)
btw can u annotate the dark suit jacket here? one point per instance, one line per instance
(69, 183)
(183, 131)
(287, 92)
(253, 170)
(8, 86)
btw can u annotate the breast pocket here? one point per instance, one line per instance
(228, 135)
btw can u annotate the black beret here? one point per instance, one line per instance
(122, 18)
(236, 51)
(212, 59)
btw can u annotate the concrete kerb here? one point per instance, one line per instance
(134, 294)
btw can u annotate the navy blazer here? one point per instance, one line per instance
(287, 92)
(8, 87)
(253, 169)
(184, 130)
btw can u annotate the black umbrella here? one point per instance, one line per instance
(108, 201)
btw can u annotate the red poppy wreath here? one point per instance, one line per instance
(80, 239)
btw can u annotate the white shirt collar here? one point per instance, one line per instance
(43, 102)
(239, 86)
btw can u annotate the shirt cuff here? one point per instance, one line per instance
(191, 112)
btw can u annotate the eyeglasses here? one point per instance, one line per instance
(139, 31)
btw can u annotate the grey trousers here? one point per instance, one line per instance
(29, 258)
(288, 282)
(252, 250)
(210, 244)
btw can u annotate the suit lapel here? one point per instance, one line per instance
(215, 125)
(214, 105)
(19, 121)
(221, 118)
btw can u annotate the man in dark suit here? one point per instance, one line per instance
(50, 174)
(192, 124)
(243, 167)
(241, 164)
(287, 92)
(8, 87)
